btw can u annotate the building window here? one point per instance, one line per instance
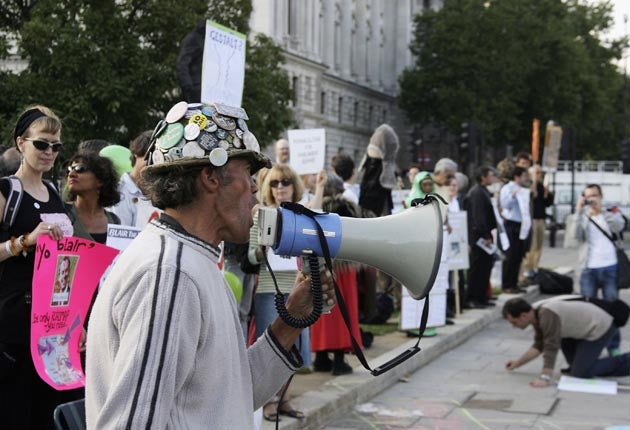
(426, 4)
(355, 113)
(294, 86)
(322, 102)
(384, 115)
(340, 110)
(370, 115)
(291, 17)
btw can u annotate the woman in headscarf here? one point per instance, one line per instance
(422, 185)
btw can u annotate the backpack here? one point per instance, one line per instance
(618, 309)
(550, 282)
(12, 206)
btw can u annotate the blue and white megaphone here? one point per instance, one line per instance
(407, 245)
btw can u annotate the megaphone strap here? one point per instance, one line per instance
(316, 289)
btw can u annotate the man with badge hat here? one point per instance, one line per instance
(165, 344)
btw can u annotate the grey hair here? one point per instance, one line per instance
(177, 186)
(462, 181)
(444, 164)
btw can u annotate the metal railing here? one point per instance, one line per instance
(591, 166)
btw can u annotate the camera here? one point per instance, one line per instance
(587, 202)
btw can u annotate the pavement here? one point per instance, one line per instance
(322, 396)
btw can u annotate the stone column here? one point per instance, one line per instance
(346, 37)
(328, 49)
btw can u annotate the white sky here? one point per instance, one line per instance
(621, 9)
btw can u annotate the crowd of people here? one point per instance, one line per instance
(165, 329)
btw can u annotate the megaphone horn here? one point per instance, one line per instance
(407, 245)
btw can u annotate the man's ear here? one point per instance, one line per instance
(209, 179)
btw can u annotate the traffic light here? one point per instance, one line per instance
(625, 156)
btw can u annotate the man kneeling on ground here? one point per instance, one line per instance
(581, 329)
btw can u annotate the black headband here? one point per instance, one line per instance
(25, 121)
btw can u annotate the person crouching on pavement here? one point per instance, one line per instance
(167, 346)
(580, 329)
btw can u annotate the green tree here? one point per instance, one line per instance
(503, 63)
(108, 67)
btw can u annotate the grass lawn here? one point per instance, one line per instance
(381, 329)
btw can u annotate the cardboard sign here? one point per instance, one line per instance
(553, 140)
(223, 70)
(66, 275)
(308, 150)
(458, 241)
(120, 236)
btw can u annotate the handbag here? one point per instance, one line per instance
(623, 264)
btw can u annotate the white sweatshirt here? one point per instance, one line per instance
(165, 348)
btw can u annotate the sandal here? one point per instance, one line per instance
(285, 408)
(270, 411)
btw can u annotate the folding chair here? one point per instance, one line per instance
(70, 416)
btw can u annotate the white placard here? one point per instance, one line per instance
(308, 150)
(411, 310)
(595, 386)
(280, 263)
(223, 70)
(458, 241)
(120, 236)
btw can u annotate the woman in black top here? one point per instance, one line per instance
(92, 186)
(27, 401)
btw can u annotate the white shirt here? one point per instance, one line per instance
(134, 209)
(601, 251)
(349, 193)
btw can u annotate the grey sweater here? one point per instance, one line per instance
(165, 348)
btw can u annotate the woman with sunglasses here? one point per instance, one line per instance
(92, 186)
(280, 184)
(27, 401)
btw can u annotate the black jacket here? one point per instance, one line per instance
(481, 218)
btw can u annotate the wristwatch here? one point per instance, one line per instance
(545, 377)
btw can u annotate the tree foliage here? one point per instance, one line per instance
(107, 67)
(502, 63)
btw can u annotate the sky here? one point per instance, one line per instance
(621, 8)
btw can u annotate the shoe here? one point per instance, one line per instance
(270, 411)
(449, 321)
(322, 366)
(566, 370)
(306, 370)
(286, 409)
(513, 290)
(342, 368)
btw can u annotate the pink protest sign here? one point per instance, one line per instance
(66, 275)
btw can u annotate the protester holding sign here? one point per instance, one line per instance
(281, 184)
(27, 401)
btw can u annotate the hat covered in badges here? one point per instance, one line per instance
(195, 134)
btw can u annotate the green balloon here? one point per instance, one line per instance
(119, 156)
(235, 284)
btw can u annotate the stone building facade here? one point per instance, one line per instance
(344, 58)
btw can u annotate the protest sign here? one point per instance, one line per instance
(120, 236)
(64, 280)
(308, 150)
(458, 241)
(223, 70)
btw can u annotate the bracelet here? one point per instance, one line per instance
(545, 377)
(14, 250)
(25, 247)
(22, 241)
(7, 246)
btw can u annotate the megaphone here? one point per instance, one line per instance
(407, 245)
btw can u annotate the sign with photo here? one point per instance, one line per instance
(65, 278)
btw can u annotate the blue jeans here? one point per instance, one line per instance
(583, 357)
(265, 312)
(605, 278)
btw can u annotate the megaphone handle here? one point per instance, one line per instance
(311, 264)
(283, 313)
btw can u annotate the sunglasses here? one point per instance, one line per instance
(42, 145)
(77, 168)
(284, 181)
